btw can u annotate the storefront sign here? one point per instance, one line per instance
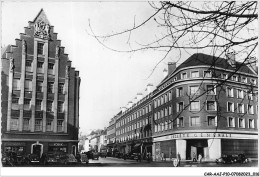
(193, 136)
(14, 144)
(57, 144)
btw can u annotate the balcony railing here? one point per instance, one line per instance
(38, 114)
(15, 113)
(27, 113)
(50, 115)
(61, 115)
(61, 97)
(16, 93)
(28, 94)
(50, 96)
(39, 95)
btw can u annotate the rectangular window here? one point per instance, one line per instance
(240, 108)
(16, 84)
(166, 112)
(165, 98)
(253, 81)
(194, 90)
(50, 65)
(50, 87)
(28, 63)
(60, 106)
(234, 78)
(240, 93)
(195, 74)
(28, 85)
(211, 106)
(162, 100)
(180, 122)
(212, 121)
(40, 48)
(230, 92)
(158, 115)
(158, 102)
(162, 113)
(180, 106)
(39, 86)
(27, 101)
(162, 126)
(49, 106)
(231, 122)
(241, 123)
(155, 103)
(26, 124)
(39, 64)
(38, 125)
(251, 123)
(250, 109)
(170, 96)
(149, 109)
(211, 90)
(250, 96)
(184, 76)
(170, 110)
(194, 105)
(166, 125)
(15, 100)
(195, 121)
(179, 92)
(224, 76)
(230, 107)
(14, 124)
(207, 74)
(38, 105)
(244, 79)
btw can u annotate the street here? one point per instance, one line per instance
(116, 162)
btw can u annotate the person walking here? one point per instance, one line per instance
(194, 158)
(162, 156)
(179, 159)
(200, 158)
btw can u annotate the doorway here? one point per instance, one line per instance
(37, 149)
(195, 147)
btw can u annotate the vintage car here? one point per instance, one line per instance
(103, 153)
(33, 158)
(84, 158)
(67, 159)
(95, 155)
(226, 159)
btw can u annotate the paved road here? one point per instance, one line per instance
(115, 162)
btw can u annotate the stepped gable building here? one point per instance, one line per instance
(40, 93)
(213, 109)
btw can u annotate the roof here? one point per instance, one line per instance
(4, 50)
(209, 60)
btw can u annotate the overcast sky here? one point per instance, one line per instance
(109, 79)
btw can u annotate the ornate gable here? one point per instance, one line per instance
(41, 26)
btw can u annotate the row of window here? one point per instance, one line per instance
(133, 136)
(134, 116)
(208, 74)
(14, 125)
(195, 121)
(240, 93)
(39, 86)
(240, 108)
(195, 106)
(163, 99)
(164, 112)
(132, 127)
(38, 105)
(28, 65)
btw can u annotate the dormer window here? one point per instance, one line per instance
(207, 74)
(234, 78)
(184, 76)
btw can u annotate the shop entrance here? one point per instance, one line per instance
(196, 147)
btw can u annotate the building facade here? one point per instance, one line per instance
(40, 93)
(207, 105)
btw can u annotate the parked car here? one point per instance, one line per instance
(95, 155)
(67, 159)
(89, 154)
(242, 158)
(226, 159)
(84, 158)
(51, 157)
(103, 153)
(33, 158)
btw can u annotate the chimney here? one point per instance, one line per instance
(165, 73)
(231, 58)
(251, 63)
(135, 100)
(149, 88)
(123, 109)
(171, 67)
(139, 96)
(130, 104)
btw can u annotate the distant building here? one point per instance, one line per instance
(40, 93)
(207, 105)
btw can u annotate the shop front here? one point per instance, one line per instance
(17, 147)
(58, 146)
(209, 145)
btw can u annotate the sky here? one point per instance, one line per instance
(109, 79)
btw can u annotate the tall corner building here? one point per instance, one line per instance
(39, 93)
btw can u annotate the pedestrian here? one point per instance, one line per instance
(200, 158)
(162, 155)
(179, 159)
(171, 156)
(194, 158)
